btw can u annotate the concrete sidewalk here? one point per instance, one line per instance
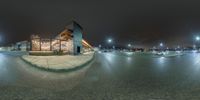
(59, 62)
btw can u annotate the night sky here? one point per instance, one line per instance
(143, 23)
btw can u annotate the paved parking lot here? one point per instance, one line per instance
(111, 76)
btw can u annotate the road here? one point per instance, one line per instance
(111, 76)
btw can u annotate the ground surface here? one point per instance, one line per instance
(59, 62)
(112, 76)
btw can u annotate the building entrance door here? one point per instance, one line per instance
(78, 49)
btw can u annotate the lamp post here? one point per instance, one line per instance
(178, 48)
(109, 41)
(161, 46)
(197, 39)
(194, 46)
(99, 46)
(129, 46)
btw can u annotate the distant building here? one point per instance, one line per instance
(7, 48)
(70, 40)
(22, 46)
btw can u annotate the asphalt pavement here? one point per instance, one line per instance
(111, 76)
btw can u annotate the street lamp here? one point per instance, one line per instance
(100, 46)
(109, 40)
(113, 47)
(161, 44)
(129, 45)
(197, 38)
(194, 46)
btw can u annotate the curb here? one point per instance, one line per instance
(60, 70)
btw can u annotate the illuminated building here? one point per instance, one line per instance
(70, 41)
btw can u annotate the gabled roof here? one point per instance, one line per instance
(72, 24)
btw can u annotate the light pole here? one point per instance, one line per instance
(109, 41)
(129, 46)
(197, 39)
(100, 47)
(161, 45)
(194, 46)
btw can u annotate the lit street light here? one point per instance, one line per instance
(197, 38)
(129, 45)
(194, 46)
(109, 40)
(113, 47)
(161, 44)
(100, 46)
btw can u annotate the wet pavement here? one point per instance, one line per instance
(111, 76)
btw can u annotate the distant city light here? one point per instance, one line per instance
(99, 46)
(113, 47)
(109, 40)
(161, 44)
(129, 45)
(194, 46)
(197, 38)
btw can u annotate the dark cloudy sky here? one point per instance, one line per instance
(140, 22)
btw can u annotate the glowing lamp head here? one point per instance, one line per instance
(109, 40)
(197, 38)
(161, 44)
(129, 45)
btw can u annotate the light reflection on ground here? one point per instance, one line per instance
(3, 68)
(112, 75)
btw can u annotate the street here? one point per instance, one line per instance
(111, 76)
